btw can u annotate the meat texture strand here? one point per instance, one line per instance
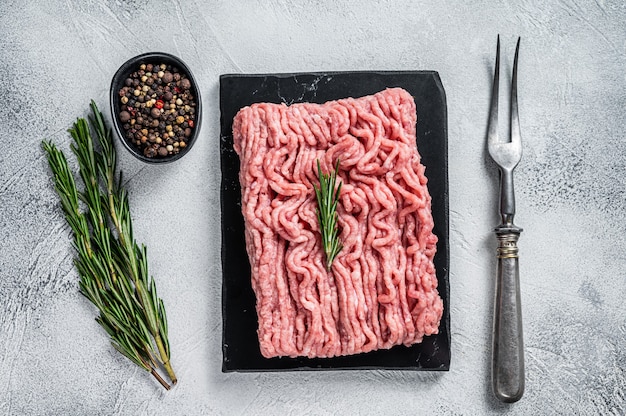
(382, 289)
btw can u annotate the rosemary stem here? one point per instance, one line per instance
(165, 359)
(160, 379)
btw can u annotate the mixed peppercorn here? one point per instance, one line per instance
(158, 110)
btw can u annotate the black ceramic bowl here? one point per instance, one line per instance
(132, 65)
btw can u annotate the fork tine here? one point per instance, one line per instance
(492, 135)
(516, 137)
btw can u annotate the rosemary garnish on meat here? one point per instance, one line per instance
(113, 269)
(327, 198)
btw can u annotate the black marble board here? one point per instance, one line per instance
(240, 343)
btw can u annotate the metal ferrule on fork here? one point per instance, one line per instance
(507, 242)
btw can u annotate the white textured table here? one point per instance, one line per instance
(571, 191)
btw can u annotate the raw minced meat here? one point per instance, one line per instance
(382, 288)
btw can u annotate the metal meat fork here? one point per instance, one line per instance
(508, 345)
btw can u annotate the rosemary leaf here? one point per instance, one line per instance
(113, 268)
(327, 199)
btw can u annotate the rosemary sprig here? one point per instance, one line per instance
(327, 198)
(113, 268)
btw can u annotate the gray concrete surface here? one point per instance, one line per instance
(57, 55)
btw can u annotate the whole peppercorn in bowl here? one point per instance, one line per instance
(156, 107)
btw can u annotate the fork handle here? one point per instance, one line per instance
(508, 344)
